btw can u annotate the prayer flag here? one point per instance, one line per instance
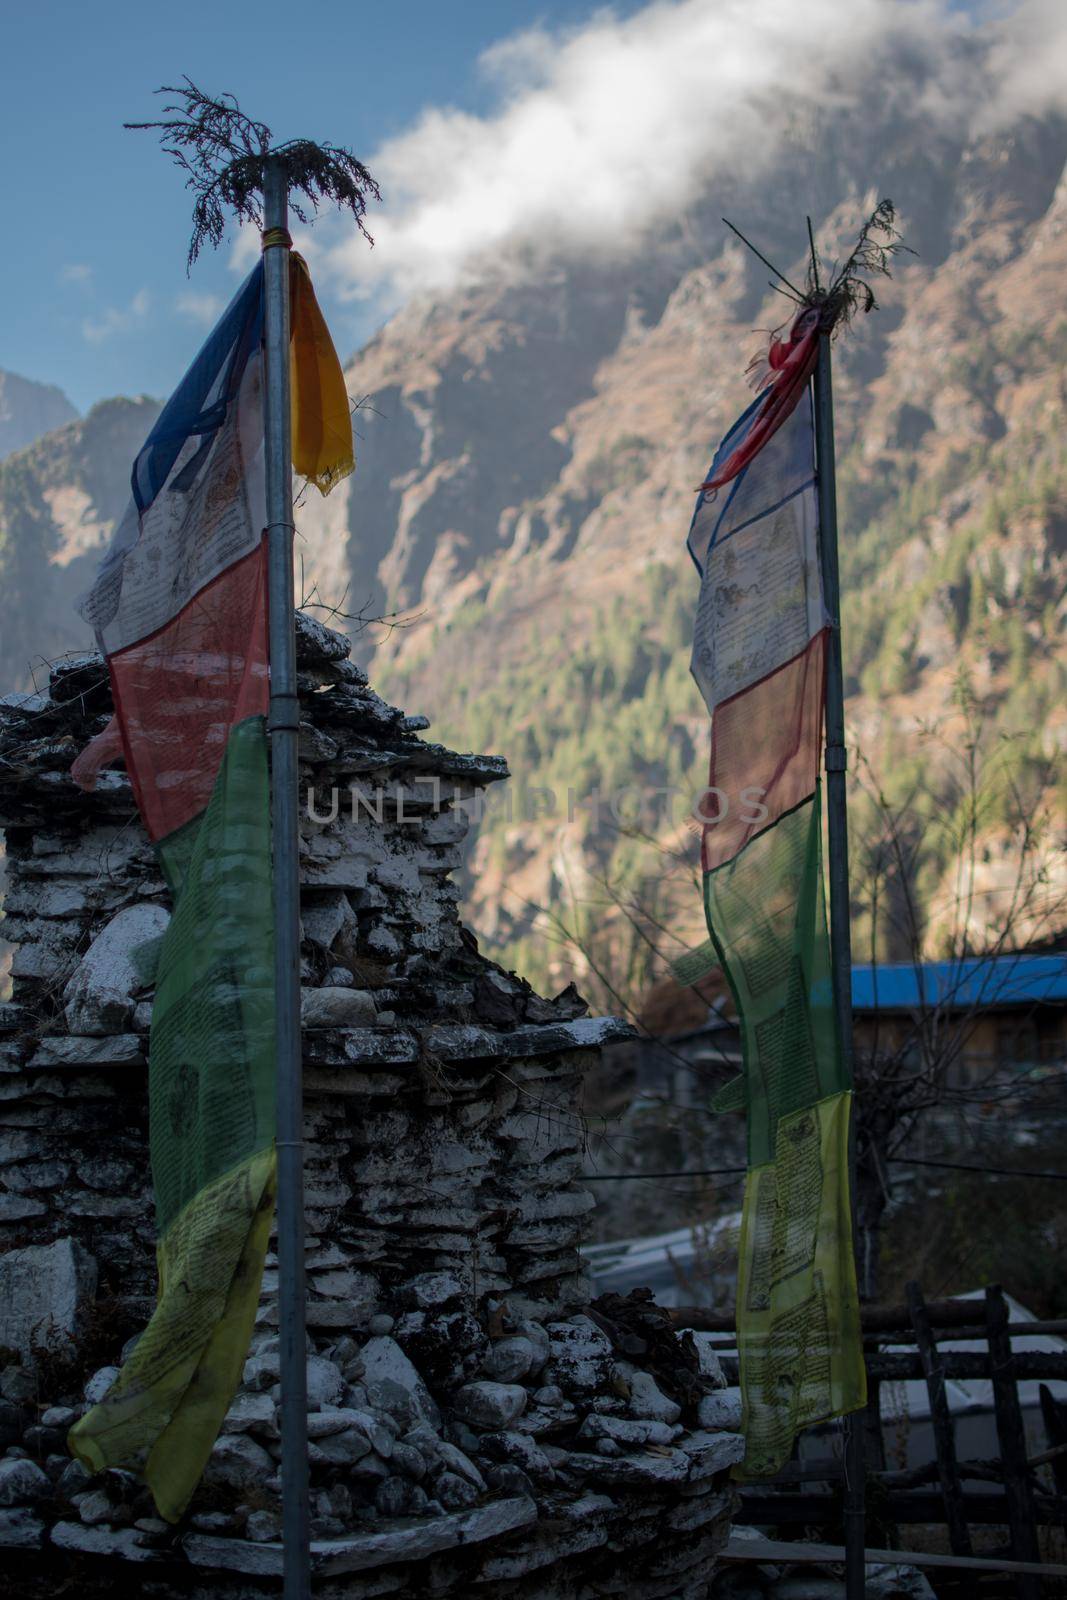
(179, 607)
(759, 658)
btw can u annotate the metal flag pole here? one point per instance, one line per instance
(284, 731)
(840, 934)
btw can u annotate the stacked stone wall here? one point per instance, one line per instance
(475, 1424)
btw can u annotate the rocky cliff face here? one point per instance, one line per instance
(59, 500)
(28, 410)
(531, 479)
(527, 455)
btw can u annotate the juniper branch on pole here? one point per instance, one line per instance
(872, 255)
(224, 156)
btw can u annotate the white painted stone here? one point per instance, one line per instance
(720, 1410)
(626, 1431)
(538, 1337)
(124, 1542)
(94, 1507)
(100, 995)
(28, 703)
(579, 1356)
(76, 1050)
(20, 1529)
(454, 1492)
(324, 917)
(428, 1291)
(36, 1175)
(22, 1483)
(521, 1451)
(648, 1400)
(710, 1365)
(341, 1449)
(509, 1360)
(586, 1525)
(345, 1419)
(358, 1290)
(399, 875)
(711, 1452)
(324, 1382)
(42, 961)
(446, 827)
(340, 978)
(237, 1462)
(490, 1405)
(337, 1008)
(381, 1545)
(59, 1417)
(384, 942)
(457, 1460)
(100, 1384)
(44, 1286)
(251, 1413)
(634, 1471)
(393, 1383)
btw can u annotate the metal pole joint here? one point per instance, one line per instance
(284, 713)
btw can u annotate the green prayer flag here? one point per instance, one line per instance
(797, 1308)
(211, 1093)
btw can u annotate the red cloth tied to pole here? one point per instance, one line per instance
(790, 362)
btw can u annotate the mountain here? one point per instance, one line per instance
(528, 447)
(529, 456)
(59, 500)
(28, 410)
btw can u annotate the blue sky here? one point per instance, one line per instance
(97, 220)
(502, 133)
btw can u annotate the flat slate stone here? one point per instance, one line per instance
(77, 1050)
(712, 1452)
(20, 1529)
(634, 1471)
(44, 1286)
(123, 1542)
(389, 1542)
(370, 1047)
(459, 1041)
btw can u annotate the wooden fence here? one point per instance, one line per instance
(934, 1493)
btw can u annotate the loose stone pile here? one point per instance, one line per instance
(472, 1419)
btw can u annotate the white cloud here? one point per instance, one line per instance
(76, 272)
(601, 131)
(1028, 62)
(245, 250)
(117, 319)
(204, 309)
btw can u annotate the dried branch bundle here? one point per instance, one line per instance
(224, 156)
(872, 256)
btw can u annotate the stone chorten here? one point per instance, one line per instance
(476, 1426)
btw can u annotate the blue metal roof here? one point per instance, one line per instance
(977, 981)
